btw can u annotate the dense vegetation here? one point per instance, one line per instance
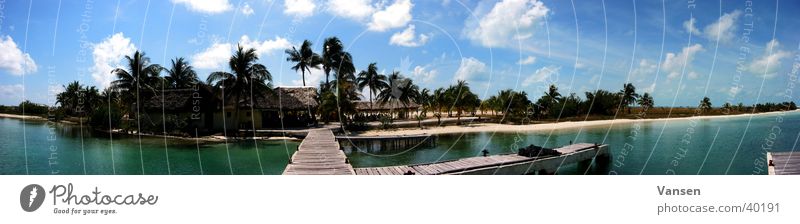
(116, 107)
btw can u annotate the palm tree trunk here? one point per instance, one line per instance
(303, 72)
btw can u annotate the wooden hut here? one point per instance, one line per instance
(184, 108)
(286, 107)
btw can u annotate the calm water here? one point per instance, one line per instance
(62, 148)
(699, 146)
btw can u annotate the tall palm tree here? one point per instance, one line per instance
(646, 101)
(629, 95)
(335, 59)
(372, 79)
(550, 99)
(552, 94)
(705, 104)
(304, 59)
(246, 79)
(140, 75)
(438, 101)
(181, 74)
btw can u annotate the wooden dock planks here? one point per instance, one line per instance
(319, 154)
(459, 165)
(784, 163)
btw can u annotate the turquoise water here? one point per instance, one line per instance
(695, 146)
(62, 149)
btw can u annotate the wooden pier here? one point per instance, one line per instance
(582, 153)
(319, 154)
(784, 163)
(385, 143)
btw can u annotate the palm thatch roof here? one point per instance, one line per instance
(284, 98)
(391, 105)
(182, 100)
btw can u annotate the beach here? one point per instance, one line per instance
(26, 117)
(495, 127)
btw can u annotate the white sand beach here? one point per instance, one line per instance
(494, 127)
(26, 117)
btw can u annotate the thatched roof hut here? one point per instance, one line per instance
(285, 98)
(391, 105)
(197, 99)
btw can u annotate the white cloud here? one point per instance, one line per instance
(767, 65)
(645, 68)
(396, 15)
(508, 22)
(312, 79)
(408, 38)
(11, 92)
(206, 6)
(108, 55)
(650, 88)
(724, 28)
(541, 75)
(352, 9)
(527, 61)
(213, 57)
(673, 65)
(265, 47)
(299, 8)
(470, 68)
(218, 54)
(13, 60)
(247, 10)
(690, 27)
(423, 74)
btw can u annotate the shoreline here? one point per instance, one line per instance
(25, 117)
(210, 139)
(509, 128)
(470, 128)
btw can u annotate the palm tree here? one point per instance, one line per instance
(91, 99)
(335, 59)
(394, 84)
(181, 74)
(69, 98)
(370, 78)
(409, 93)
(304, 59)
(646, 101)
(438, 100)
(705, 104)
(459, 95)
(550, 99)
(140, 75)
(552, 93)
(424, 100)
(246, 79)
(629, 95)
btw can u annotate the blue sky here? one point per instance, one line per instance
(675, 50)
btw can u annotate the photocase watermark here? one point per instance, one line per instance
(53, 90)
(72, 202)
(31, 197)
(2, 14)
(743, 55)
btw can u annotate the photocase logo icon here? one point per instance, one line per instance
(31, 197)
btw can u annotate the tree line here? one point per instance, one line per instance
(337, 95)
